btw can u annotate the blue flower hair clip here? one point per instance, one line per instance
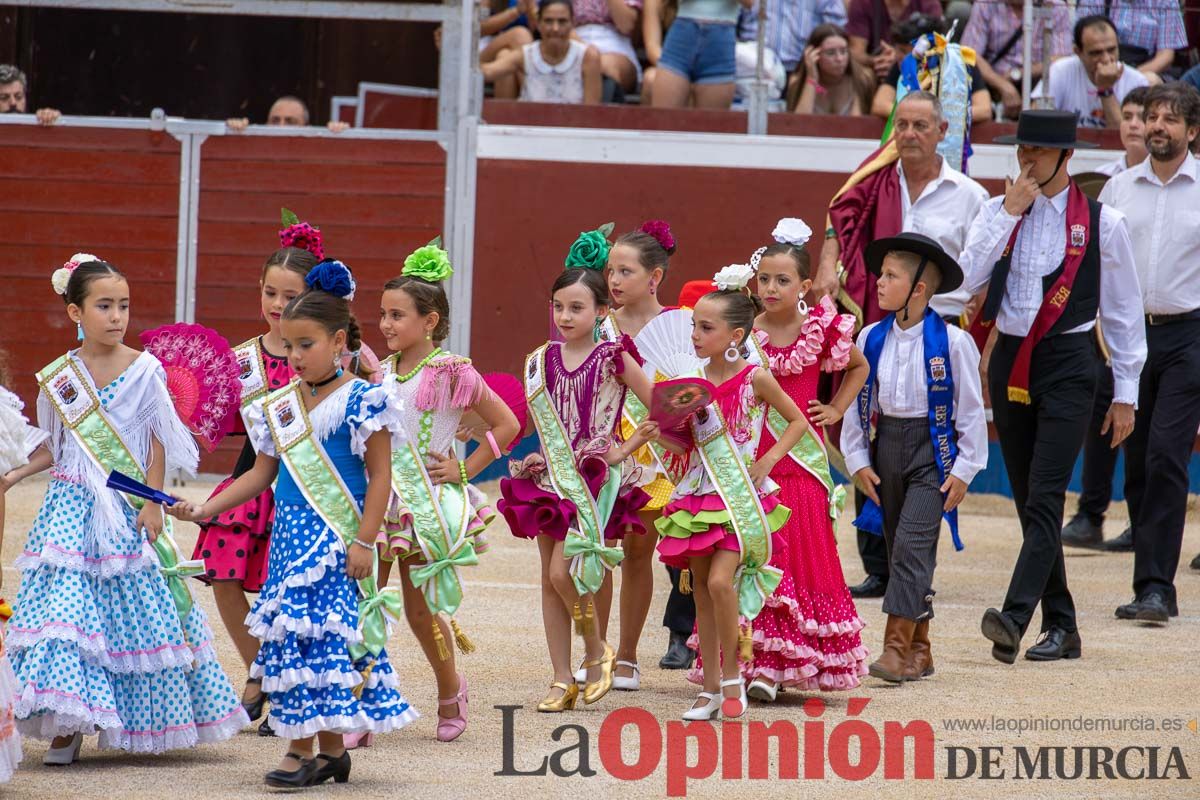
(332, 276)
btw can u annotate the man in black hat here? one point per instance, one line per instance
(1051, 259)
(918, 438)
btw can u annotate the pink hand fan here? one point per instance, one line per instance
(202, 378)
(674, 401)
(512, 394)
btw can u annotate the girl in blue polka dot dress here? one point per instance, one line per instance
(327, 437)
(97, 641)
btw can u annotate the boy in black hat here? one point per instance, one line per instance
(918, 438)
(1052, 260)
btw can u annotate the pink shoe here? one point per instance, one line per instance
(355, 741)
(450, 729)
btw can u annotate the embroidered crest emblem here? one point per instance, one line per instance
(285, 415)
(937, 368)
(65, 388)
(1078, 236)
(245, 367)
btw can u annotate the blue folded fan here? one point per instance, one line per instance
(123, 483)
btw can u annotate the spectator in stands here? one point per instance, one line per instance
(903, 35)
(557, 68)
(1093, 82)
(994, 33)
(1133, 133)
(1192, 77)
(286, 111)
(790, 23)
(1149, 31)
(828, 81)
(871, 24)
(654, 27)
(607, 26)
(508, 26)
(697, 61)
(14, 90)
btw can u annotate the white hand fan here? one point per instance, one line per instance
(666, 345)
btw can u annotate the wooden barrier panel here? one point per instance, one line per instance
(112, 193)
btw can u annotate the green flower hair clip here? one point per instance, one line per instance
(429, 263)
(590, 250)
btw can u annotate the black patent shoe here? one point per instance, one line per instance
(1153, 609)
(679, 655)
(1003, 633)
(872, 586)
(265, 729)
(330, 767)
(254, 708)
(283, 781)
(1054, 644)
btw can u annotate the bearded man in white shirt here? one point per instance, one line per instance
(1052, 260)
(1160, 198)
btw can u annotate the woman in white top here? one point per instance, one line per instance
(556, 68)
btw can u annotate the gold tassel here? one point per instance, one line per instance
(577, 614)
(1018, 395)
(584, 619)
(465, 645)
(589, 617)
(440, 641)
(685, 582)
(366, 674)
(746, 643)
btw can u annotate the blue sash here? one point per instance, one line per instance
(939, 378)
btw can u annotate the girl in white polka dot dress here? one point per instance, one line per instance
(102, 642)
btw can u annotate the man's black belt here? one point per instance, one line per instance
(1167, 319)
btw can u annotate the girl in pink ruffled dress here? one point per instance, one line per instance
(807, 636)
(585, 381)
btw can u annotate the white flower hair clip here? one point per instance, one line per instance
(62, 275)
(734, 278)
(793, 231)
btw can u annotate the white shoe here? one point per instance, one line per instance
(761, 690)
(628, 684)
(742, 699)
(581, 675)
(65, 755)
(707, 711)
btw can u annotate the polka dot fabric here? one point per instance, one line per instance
(97, 644)
(234, 545)
(307, 614)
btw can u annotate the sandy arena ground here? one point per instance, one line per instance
(1129, 674)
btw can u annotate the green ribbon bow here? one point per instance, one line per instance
(755, 584)
(373, 623)
(439, 578)
(594, 557)
(175, 573)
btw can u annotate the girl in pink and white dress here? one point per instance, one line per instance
(807, 636)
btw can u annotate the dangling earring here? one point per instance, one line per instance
(732, 354)
(596, 330)
(802, 307)
(653, 288)
(429, 337)
(79, 331)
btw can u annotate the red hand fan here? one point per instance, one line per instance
(202, 378)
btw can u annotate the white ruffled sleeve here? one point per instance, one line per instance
(17, 437)
(372, 409)
(257, 430)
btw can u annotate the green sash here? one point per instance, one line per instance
(755, 579)
(809, 452)
(441, 517)
(251, 373)
(322, 486)
(585, 545)
(75, 401)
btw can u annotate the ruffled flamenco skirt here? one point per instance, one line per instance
(10, 738)
(399, 539)
(97, 644)
(698, 525)
(807, 635)
(307, 617)
(235, 545)
(531, 510)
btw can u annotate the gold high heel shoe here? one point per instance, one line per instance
(592, 692)
(555, 705)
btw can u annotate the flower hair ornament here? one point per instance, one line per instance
(793, 231)
(590, 250)
(660, 230)
(734, 278)
(332, 276)
(430, 263)
(62, 275)
(300, 235)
